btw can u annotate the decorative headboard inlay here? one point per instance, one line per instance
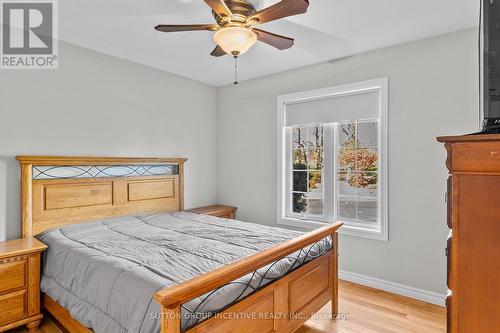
(101, 171)
(61, 190)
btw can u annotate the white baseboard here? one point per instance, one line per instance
(395, 288)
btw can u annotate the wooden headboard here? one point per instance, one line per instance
(62, 190)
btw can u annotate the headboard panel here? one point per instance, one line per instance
(62, 190)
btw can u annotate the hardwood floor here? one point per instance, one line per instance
(364, 310)
(370, 310)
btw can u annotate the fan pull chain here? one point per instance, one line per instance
(235, 69)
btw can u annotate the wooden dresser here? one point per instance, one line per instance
(20, 283)
(473, 248)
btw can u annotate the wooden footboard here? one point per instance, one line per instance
(281, 306)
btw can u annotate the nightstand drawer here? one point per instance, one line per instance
(12, 275)
(20, 283)
(12, 306)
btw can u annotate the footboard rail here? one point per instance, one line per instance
(172, 298)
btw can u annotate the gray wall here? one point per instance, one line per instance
(99, 105)
(433, 90)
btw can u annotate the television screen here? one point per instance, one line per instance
(491, 60)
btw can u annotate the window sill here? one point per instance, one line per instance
(348, 230)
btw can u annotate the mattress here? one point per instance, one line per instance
(106, 272)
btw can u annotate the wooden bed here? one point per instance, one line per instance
(63, 190)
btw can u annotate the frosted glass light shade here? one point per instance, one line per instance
(235, 39)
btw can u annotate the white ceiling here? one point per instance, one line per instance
(330, 29)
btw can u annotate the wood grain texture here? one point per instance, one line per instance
(151, 189)
(56, 202)
(475, 158)
(267, 310)
(63, 316)
(477, 255)
(33, 282)
(202, 284)
(50, 203)
(33, 325)
(26, 199)
(454, 242)
(473, 250)
(227, 212)
(255, 305)
(16, 247)
(72, 195)
(171, 318)
(181, 186)
(367, 310)
(469, 138)
(307, 287)
(281, 305)
(26, 321)
(92, 160)
(20, 282)
(12, 306)
(13, 275)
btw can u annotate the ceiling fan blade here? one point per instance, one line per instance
(220, 7)
(282, 9)
(277, 41)
(185, 27)
(218, 52)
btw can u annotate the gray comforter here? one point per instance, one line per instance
(106, 272)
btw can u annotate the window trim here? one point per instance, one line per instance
(380, 85)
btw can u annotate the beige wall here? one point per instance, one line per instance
(433, 90)
(95, 104)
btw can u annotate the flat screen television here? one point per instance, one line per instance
(490, 48)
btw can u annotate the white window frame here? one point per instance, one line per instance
(381, 86)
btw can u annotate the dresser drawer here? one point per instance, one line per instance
(12, 306)
(12, 275)
(480, 157)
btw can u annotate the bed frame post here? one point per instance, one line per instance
(335, 255)
(171, 318)
(181, 186)
(26, 199)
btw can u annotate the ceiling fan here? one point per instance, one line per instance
(235, 31)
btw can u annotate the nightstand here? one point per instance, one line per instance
(20, 283)
(227, 212)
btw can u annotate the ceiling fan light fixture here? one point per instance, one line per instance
(235, 40)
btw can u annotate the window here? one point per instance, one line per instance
(357, 176)
(307, 171)
(333, 160)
